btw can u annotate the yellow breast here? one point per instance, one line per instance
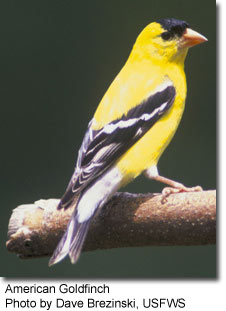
(132, 86)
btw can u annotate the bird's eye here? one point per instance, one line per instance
(166, 35)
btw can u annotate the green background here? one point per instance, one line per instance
(57, 59)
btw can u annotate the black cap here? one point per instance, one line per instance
(174, 27)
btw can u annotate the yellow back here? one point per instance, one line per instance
(149, 65)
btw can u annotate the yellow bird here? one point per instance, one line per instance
(133, 124)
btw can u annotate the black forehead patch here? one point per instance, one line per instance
(174, 27)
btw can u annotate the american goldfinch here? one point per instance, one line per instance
(133, 124)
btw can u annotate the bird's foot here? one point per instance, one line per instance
(170, 190)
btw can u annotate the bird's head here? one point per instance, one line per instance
(167, 40)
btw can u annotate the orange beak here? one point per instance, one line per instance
(191, 38)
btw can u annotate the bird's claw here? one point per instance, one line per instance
(167, 191)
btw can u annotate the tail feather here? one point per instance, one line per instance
(68, 198)
(72, 241)
(78, 241)
(86, 207)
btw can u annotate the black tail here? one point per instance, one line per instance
(72, 241)
(85, 208)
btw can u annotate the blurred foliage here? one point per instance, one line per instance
(57, 60)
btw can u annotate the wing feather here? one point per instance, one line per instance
(102, 148)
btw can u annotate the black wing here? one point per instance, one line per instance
(102, 148)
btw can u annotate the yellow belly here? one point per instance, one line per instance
(147, 151)
(135, 83)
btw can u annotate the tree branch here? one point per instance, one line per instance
(127, 220)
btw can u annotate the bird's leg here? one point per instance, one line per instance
(174, 186)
